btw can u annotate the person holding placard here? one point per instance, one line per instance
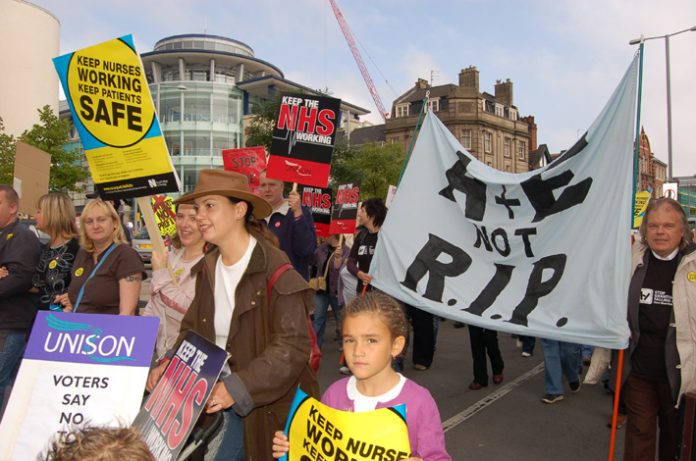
(170, 299)
(19, 253)
(374, 333)
(291, 223)
(55, 215)
(250, 305)
(329, 259)
(108, 272)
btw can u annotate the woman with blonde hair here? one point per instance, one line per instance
(107, 273)
(55, 215)
(171, 291)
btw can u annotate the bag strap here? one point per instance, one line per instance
(112, 247)
(328, 261)
(280, 270)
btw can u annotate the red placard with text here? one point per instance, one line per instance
(319, 201)
(250, 161)
(345, 210)
(303, 139)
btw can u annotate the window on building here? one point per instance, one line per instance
(466, 138)
(521, 150)
(402, 110)
(507, 147)
(513, 114)
(434, 105)
(487, 142)
(499, 110)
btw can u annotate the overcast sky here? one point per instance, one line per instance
(565, 57)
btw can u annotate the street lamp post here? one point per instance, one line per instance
(637, 41)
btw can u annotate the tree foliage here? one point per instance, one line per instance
(260, 129)
(374, 166)
(51, 135)
(7, 153)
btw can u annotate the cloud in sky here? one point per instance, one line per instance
(565, 57)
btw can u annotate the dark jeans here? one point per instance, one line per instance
(12, 345)
(423, 336)
(649, 403)
(485, 341)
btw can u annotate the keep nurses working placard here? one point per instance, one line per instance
(78, 369)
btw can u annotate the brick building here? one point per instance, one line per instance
(653, 172)
(488, 126)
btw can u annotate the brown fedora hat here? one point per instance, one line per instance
(228, 184)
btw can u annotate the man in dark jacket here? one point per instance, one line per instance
(291, 223)
(19, 255)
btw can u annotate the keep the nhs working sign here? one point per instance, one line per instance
(77, 369)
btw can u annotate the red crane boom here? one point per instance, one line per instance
(358, 59)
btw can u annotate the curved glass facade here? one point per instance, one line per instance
(193, 84)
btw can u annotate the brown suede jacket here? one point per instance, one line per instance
(268, 342)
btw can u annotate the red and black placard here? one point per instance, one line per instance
(319, 201)
(303, 139)
(345, 210)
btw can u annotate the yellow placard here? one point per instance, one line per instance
(318, 432)
(165, 215)
(642, 199)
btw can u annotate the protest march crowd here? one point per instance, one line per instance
(251, 276)
(229, 242)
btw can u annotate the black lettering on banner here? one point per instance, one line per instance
(475, 190)
(507, 203)
(426, 262)
(525, 233)
(497, 235)
(487, 297)
(536, 288)
(540, 193)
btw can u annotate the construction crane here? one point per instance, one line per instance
(358, 59)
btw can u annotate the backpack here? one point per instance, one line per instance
(315, 352)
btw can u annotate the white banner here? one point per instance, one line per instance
(544, 253)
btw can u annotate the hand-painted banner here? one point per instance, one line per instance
(170, 412)
(165, 215)
(112, 109)
(318, 432)
(77, 369)
(345, 210)
(303, 139)
(544, 253)
(250, 161)
(319, 201)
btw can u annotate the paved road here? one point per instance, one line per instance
(504, 422)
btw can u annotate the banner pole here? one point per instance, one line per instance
(617, 397)
(424, 109)
(636, 147)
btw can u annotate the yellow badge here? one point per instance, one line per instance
(9, 236)
(691, 276)
(179, 271)
(52, 264)
(79, 271)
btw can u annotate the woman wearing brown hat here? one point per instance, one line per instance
(267, 339)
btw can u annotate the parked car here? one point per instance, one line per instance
(143, 245)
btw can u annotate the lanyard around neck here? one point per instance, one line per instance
(94, 271)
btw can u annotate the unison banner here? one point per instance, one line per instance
(544, 253)
(77, 369)
(112, 109)
(318, 432)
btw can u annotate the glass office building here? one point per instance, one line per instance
(203, 86)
